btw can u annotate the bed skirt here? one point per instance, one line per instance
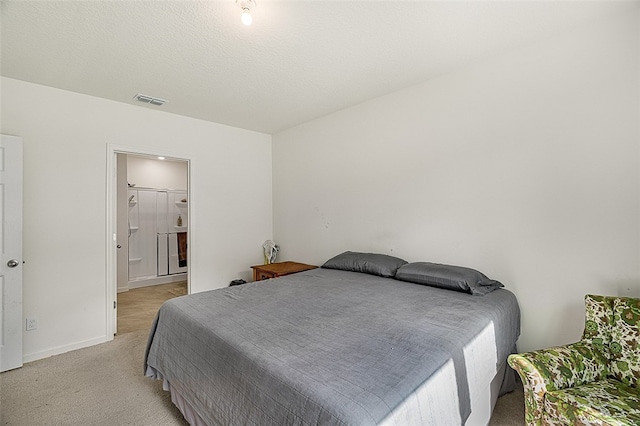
(503, 382)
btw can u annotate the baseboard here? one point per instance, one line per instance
(63, 349)
(157, 281)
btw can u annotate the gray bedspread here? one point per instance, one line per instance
(319, 347)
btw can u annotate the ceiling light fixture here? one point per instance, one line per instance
(246, 6)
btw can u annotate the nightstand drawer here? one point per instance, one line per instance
(263, 275)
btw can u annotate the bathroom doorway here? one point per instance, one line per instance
(149, 222)
(153, 225)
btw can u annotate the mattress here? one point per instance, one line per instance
(334, 348)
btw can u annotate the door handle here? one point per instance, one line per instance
(119, 246)
(13, 263)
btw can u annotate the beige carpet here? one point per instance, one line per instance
(100, 385)
(509, 410)
(104, 385)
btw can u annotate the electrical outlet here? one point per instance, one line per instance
(32, 324)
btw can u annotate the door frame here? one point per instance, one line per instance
(111, 224)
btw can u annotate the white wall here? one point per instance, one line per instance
(147, 172)
(65, 138)
(524, 166)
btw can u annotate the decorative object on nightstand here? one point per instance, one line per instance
(279, 269)
(270, 249)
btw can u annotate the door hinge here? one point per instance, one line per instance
(115, 304)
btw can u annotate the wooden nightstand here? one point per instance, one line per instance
(278, 269)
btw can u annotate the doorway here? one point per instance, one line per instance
(149, 229)
(153, 225)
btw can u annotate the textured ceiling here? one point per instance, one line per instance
(299, 60)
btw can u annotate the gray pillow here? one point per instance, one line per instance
(449, 277)
(368, 263)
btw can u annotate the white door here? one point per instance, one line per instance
(122, 221)
(10, 252)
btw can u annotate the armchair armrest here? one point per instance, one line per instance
(556, 368)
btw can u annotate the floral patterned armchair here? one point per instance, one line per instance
(594, 381)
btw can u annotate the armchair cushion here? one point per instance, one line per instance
(605, 402)
(625, 341)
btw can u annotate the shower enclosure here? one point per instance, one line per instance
(158, 226)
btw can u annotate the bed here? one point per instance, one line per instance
(335, 347)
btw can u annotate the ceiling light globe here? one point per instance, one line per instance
(246, 17)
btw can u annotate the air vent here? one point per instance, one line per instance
(149, 99)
